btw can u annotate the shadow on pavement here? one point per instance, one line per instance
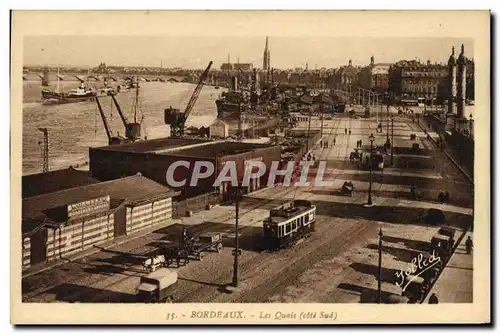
(218, 286)
(71, 293)
(400, 254)
(366, 295)
(394, 215)
(111, 270)
(411, 244)
(388, 275)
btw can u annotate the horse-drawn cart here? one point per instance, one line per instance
(168, 252)
(210, 241)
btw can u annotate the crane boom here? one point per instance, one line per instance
(104, 120)
(196, 92)
(122, 116)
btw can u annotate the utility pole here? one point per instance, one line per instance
(370, 203)
(308, 130)
(237, 192)
(380, 266)
(321, 109)
(45, 152)
(392, 144)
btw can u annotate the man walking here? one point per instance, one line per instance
(468, 245)
(345, 131)
(334, 141)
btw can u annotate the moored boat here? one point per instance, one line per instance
(79, 94)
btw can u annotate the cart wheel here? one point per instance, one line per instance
(219, 247)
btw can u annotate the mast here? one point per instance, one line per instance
(228, 73)
(136, 103)
(57, 87)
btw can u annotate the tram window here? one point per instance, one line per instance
(288, 228)
(280, 233)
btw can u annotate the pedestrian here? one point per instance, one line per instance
(334, 141)
(360, 143)
(349, 131)
(433, 299)
(468, 245)
(345, 131)
(321, 143)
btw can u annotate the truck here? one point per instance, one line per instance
(157, 287)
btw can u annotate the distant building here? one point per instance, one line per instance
(413, 79)
(346, 78)
(245, 67)
(226, 67)
(375, 76)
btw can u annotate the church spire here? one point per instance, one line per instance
(267, 56)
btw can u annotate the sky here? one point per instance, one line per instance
(196, 52)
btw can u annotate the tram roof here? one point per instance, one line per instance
(288, 211)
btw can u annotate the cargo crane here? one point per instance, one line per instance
(175, 118)
(45, 153)
(111, 140)
(132, 130)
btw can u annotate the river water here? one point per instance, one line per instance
(75, 127)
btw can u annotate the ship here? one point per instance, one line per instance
(230, 104)
(80, 94)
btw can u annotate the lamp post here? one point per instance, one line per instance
(392, 136)
(237, 192)
(370, 203)
(380, 266)
(470, 126)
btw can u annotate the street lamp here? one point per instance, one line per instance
(388, 142)
(392, 146)
(470, 125)
(380, 235)
(237, 193)
(370, 203)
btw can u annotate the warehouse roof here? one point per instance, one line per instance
(132, 189)
(223, 148)
(43, 183)
(145, 146)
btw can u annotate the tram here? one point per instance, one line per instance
(288, 224)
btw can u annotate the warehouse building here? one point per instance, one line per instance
(61, 223)
(152, 159)
(43, 183)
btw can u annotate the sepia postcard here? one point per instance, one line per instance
(250, 167)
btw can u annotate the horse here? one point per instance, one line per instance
(153, 262)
